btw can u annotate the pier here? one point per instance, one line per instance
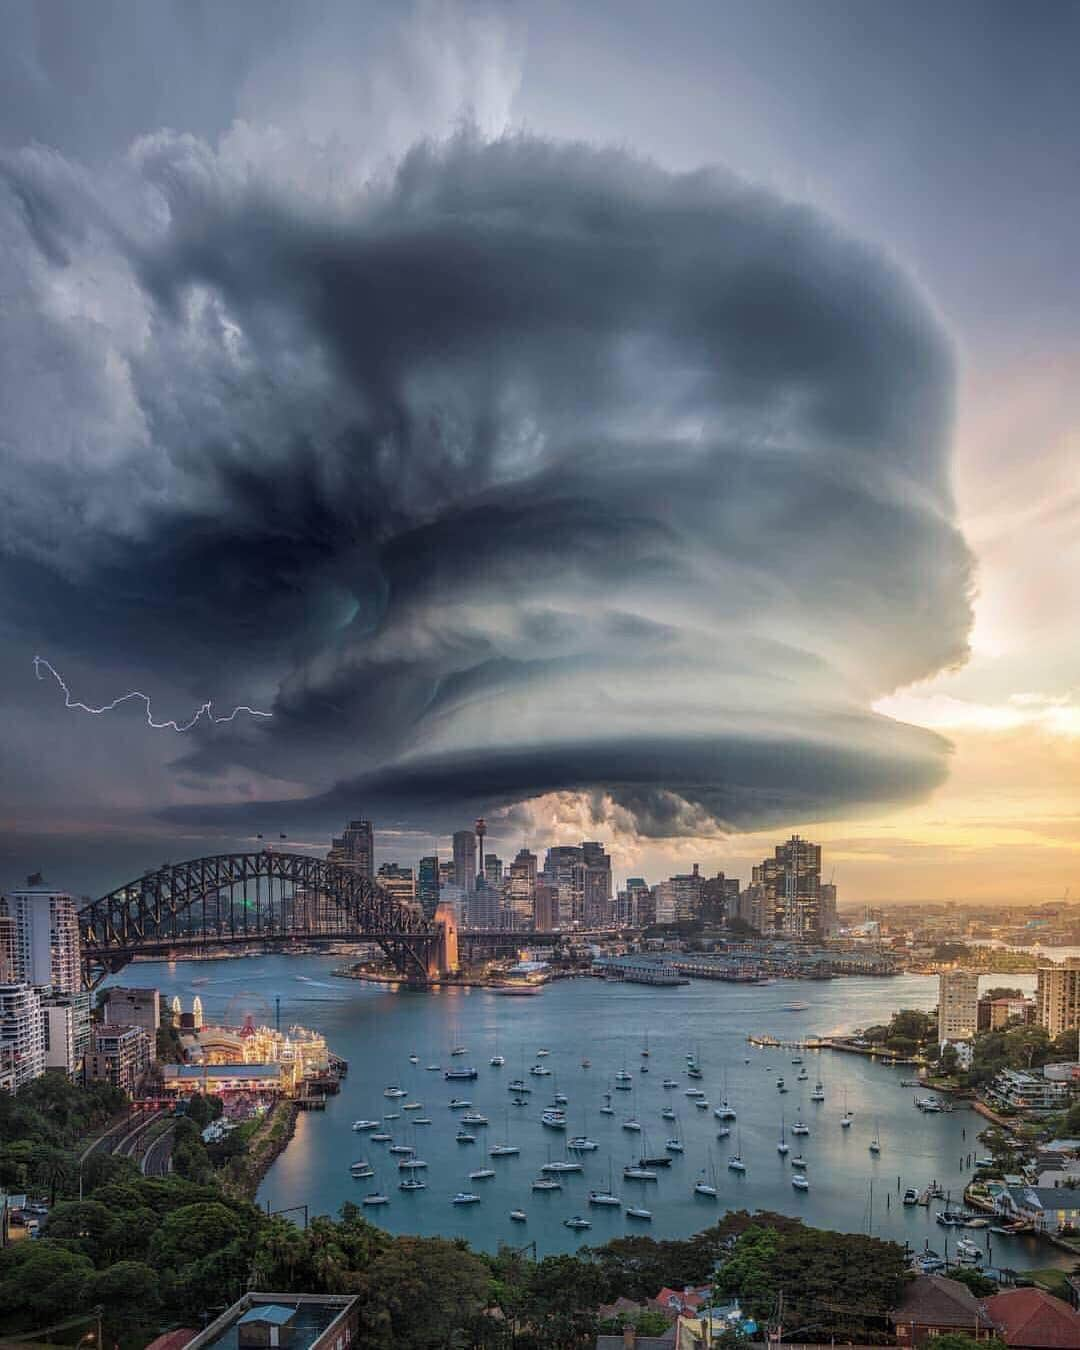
(766, 1042)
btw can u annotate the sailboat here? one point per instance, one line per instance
(608, 1197)
(581, 1143)
(675, 1144)
(818, 1094)
(706, 1185)
(783, 1147)
(504, 1150)
(846, 1118)
(375, 1198)
(497, 1061)
(724, 1111)
(735, 1162)
(800, 1126)
(607, 1109)
(645, 1048)
(875, 1143)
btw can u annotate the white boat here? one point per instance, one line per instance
(800, 1182)
(359, 1125)
(634, 1172)
(540, 1071)
(518, 1085)
(577, 1222)
(735, 1162)
(802, 1076)
(362, 1170)
(846, 1118)
(464, 1137)
(414, 1059)
(967, 1251)
(540, 1054)
(411, 1165)
(702, 1104)
(632, 1125)
(460, 1075)
(458, 1104)
(674, 1146)
(911, 1196)
(459, 1050)
(875, 1143)
(412, 1184)
(392, 1115)
(546, 1184)
(465, 1198)
(607, 1109)
(381, 1138)
(783, 1147)
(473, 1118)
(581, 1143)
(624, 1076)
(670, 1083)
(433, 1068)
(421, 1120)
(554, 1120)
(497, 1061)
(694, 1092)
(638, 1212)
(559, 1099)
(412, 1106)
(394, 1092)
(818, 1094)
(800, 1127)
(375, 1198)
(723, 1132)
(706, 1183)
(724, 1111)
(406, 1149)
(602, 1198)
(503, 1151)
(798, 1161)
(482, 1174)
(557, 1168)
(667, 1113)
(518, 1215)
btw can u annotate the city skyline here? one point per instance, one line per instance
(683, 472)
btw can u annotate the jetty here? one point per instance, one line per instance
(767, 1042)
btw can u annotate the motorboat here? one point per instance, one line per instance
(694, 1072)
(705, 1188)
(577, 1222)
(559, 1098)
(412, 1106)
(800, 1182)
(362, 1170)
(798, 1162)
(497, 1061)
(406, 1150)
(465, 1198)
(977, 1222)
(667, 1113)
(459, 1075)
(802, 1076)
(780, 1084)
(519, 1101)
(412, 1184)
(394, 1091)
(554, 1120)
(359, 1125)
(638, 1212)
(412, 1165)
(540, 1071)
(644, 1068)
(518, 1215)
(800, 1127)
(464, 1137)
(414, 1059)
(818, 1094)
(602, 1198)
(433, 1068)
(458, 1104)
(624, 1087)
(675, 1146)
(381, 1137)
(392, 1115)
(624, 1076)
(421, 1120)
(632, 1125)
(724, 1132)
(724, 1111)
(503, 1151)
(701, 1104)
(518, 1085)
(581, 1143)
(542, 1052)
(796, 1059)
(607, 1109)
(546, 1184)
(459, 1050)
(482, 1174)
(586, 1063)
(670, 1083)
(967, 1251)
(473, 1118)
(375, 1198)
(911, 1196)
(694, 1092)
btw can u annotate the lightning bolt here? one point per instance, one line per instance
(40, 665)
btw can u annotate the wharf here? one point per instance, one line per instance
(767, 1042)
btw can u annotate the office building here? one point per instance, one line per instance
(791, 889)
(22, 1031)
(564, 868)
(687, 890)
(397, 882)
(118, 1055)
(547, 907)
(356, 849)
(484, 905)
(596, 886)
(465, 859)
(493, 870)
(427, 885)
(522, 897)
(664, 902)
(639, 905)
(133, 1007)
(958, 1005)
(446, 873)
(46, 940)
(1057, 997)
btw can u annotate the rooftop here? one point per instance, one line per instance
(310, 1314)
(1035, 1319)
(195, 1072)
(935, 1300)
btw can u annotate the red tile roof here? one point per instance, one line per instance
(1032, 1319)
(937, 1301)
(173, 1340)
(686, 1300)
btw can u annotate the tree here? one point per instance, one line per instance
(40, 1282)
(960, 1340)
(949, 1060)
(130, 1293)
(980, 1285)
(421, 1293)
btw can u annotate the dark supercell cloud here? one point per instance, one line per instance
(529, 468)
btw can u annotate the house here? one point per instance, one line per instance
(1031, 1319)
(628, 1339)
(1050, 1209)
(687, 1300)
(173, 1340)
(932, 1305)
(296, 1321)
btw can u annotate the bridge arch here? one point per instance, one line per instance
(238, 897)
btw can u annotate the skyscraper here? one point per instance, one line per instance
(1057, 997)
(493, 870)
(523, 889)
(791, 884)
(958, 1005)
(46, 940)
(397, 881)
(465, 859)
(427, 887)
(22, 1031)
(356, 849)
(596, 886)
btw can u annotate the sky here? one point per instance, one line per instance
(646, 423)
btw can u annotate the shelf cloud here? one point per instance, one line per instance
(523, 467)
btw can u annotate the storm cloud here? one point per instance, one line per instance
(526, 467)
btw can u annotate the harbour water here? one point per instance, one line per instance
(376, 1029)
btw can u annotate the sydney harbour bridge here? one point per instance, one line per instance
(265, 897)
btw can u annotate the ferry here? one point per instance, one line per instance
(465, 1198)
